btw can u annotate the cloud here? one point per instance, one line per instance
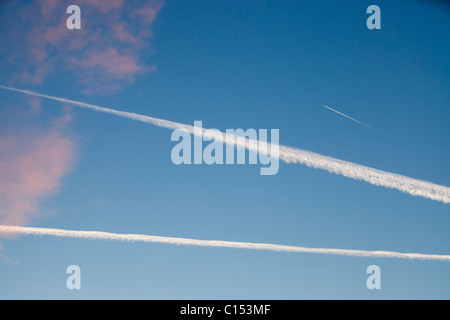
(106, 236)
(119, 69)
(104, 6)
(7, 260)
(104, 55)
(35, 105)
(414, 187)
(33, 163)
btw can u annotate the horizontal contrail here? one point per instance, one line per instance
(414, 187)
(366, 125)
(97, 235)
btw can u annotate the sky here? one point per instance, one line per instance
(230, 64)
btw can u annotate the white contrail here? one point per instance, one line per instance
(376, 177)
(366, 125)
(98, 235)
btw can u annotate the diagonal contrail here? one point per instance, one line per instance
(98, 235)
(414, 187)
(366, 125)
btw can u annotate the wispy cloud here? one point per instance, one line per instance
(7, 260)
(414, 187)
(104, 55)
(106, 236)
(32, 164)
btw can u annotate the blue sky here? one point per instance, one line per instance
(234, 64)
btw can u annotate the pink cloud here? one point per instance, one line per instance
(148, 14)
(48, 6)
(110, 62)
(104, 54)
(124, 34)
(32, 166)
(104, 6)
(35, 104)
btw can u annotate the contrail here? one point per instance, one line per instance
(98, 235)
(414, 187)
(366, 125)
